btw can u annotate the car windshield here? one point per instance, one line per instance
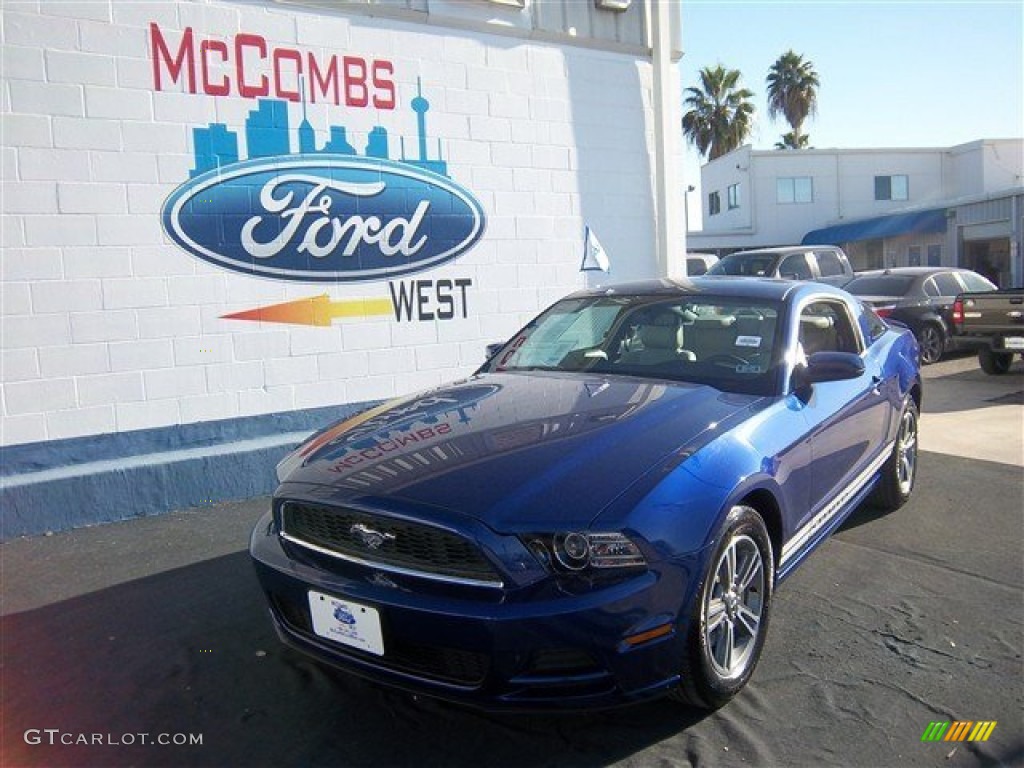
(725, 342)
(880, 285)
(749, 264)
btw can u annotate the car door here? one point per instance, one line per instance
(942, 289)
(848, 420)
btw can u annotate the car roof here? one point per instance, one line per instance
(908, 271)
(772, 289)
(785, 249)
(912, 270)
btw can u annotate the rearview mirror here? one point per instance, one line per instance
(493, 349)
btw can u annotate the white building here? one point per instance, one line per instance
(227, 222)
(887, 207)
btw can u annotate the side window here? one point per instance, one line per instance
(947, 284)
(829, 264)
(930, 288)
(871, 324)
(795, 267)
(825, 326)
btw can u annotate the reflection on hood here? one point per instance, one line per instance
(494, 443)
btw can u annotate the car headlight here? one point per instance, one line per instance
(571, 551)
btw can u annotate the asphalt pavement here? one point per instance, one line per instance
(130, 634)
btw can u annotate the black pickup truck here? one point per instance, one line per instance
(992, 322)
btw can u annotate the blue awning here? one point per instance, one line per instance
(917, 223)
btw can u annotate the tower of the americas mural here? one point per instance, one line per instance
(420, 106)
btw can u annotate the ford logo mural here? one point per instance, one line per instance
(323, 218)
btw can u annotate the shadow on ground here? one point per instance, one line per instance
(899, 620)
(192, 651)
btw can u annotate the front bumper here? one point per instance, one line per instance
(537, 648)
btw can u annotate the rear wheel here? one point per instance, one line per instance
(729, 619)
(900, 471)
(994, 363)
(932, 342)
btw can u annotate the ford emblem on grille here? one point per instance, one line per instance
(369, 537)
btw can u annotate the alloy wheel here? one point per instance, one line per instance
(906, 465)
(733, 607)
(931, 344)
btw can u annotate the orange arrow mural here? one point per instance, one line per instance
(316, 310)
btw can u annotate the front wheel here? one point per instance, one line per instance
(729, 618)
(932, 342)
(994, 363)
(900, 470)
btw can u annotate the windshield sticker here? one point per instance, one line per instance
(748, 341)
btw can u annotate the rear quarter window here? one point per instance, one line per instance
(829, 264)
(947, 284)
(872, 327)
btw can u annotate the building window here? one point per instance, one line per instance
(794, 189)
(734, 196)
(892, 188)
(934, 255)
(714, 204)
(914, 256)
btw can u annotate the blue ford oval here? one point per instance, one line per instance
(323, 218)
(603, 512)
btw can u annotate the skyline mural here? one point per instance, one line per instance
(268, 134)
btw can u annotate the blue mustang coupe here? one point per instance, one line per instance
(603, 511)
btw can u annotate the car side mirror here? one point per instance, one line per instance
(832, 366)
(492, 349)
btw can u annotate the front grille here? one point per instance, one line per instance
(403, 545)
(448, 665)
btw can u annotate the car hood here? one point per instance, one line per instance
(511, 449)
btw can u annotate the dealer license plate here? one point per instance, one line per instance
(346, 622)
(1013, 342)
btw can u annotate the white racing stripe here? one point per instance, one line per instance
(801, 537)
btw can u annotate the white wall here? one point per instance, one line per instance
(109, 326)
(844, 189)
(988, 165)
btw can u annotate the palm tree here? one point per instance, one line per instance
(793, 92)
(790, 141)
(721, 114)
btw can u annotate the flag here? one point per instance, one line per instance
(595, 259)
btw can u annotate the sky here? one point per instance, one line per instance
(896, 73)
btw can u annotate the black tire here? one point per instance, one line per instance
(932, 341)
(899, 473)
(706, 682)
(994, 363)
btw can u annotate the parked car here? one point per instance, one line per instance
(822, 263)
(698, 264)
(922, 299)
(993, 322)
(602, 513)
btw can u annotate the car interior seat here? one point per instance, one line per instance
(658, 339)
(817, 334)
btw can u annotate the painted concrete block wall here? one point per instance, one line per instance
(109, 325)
